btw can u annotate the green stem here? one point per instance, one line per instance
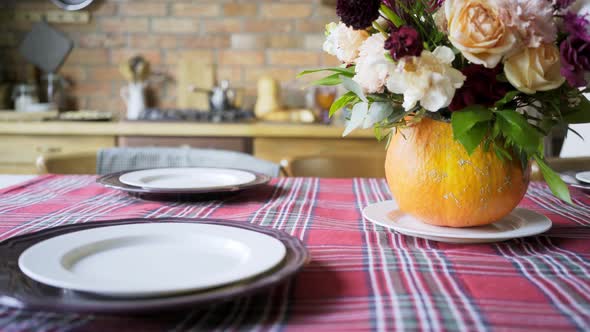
(391, 15)
(379, 28)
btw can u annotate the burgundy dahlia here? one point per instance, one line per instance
(575, 60)
(402, 42)
(481, 87)
(358, 14)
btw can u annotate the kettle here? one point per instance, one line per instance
(221, 97)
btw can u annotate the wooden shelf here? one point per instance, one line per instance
(178, 129)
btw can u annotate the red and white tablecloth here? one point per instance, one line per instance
(361, 277)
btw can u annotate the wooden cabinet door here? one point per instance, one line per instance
(19, 153)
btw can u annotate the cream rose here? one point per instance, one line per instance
(344, 42)
(476, 29)
(535, 69)
(429, 79)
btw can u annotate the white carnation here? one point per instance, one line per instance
(429, 79)
(344, 42)
(372, 68)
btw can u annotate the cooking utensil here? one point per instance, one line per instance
(221, 97)
(136, 69)
(46, 47)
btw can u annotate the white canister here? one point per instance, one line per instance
(134, 96)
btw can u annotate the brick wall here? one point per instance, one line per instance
(245, 38)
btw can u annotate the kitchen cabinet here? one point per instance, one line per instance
(22, 142)
(18, 153)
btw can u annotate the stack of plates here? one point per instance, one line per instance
(144, 265)
(580, 180)
(519, 223)
(183, 181)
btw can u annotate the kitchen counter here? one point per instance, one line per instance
(258, 129)
(21, 143)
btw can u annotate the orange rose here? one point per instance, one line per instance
(476, 29)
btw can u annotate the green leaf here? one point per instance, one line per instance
(353, 86)
(473, 137)
(502, 153)
(556, 184)
(333, 79)
(391, 15)
(389, 58)
(462, 121)
(580, 113)
(359, 113)
(575, 133)
(345, 99)
(378, 133)
(508, 97)
(496, 130)
(516, 128)
(348, 72)
(546, 124)
(378, 112)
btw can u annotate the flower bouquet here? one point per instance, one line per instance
(464, 91)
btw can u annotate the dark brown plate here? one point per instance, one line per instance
(112, 181)
(19, 291)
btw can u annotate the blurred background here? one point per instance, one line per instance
(237, 41)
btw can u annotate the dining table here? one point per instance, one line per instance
(361, 276)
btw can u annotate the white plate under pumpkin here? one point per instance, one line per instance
(519, 223)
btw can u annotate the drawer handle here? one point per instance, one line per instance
(48, 149)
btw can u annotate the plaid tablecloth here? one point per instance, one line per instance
(361, 277)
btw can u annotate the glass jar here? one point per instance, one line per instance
(24, 95)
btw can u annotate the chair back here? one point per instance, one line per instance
(67, 163)
(336, 165)
(123, 159)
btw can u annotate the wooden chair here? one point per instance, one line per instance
(342, 166)
(67, 163)
(335, 165)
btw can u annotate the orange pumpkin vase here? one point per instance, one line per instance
(433, 178)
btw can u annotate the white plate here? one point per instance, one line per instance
(187, 178)
(519, 223)
(151, 259)
(583, 177)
